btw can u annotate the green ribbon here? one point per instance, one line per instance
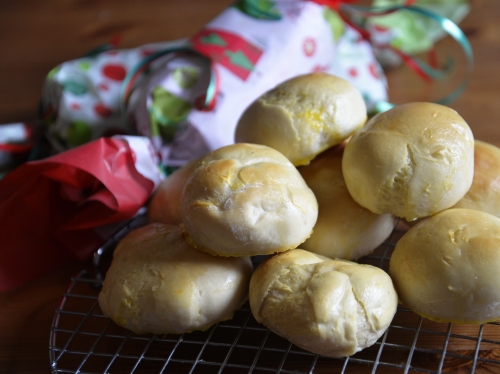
(127, 84)
(447, 25)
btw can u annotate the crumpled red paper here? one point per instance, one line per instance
(52, 210)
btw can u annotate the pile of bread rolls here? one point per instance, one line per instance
(313, 186)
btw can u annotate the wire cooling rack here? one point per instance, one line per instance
(83, 340)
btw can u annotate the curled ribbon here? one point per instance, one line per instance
(137, 70)
(425, 70)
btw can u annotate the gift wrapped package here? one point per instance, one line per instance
(62, 208)
(116, 119)
(187, 95)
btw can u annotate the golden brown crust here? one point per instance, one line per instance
(484, 193)
(303, 116)
(164, 205)
(344, 228)
(412, 161)
(247, 199)
(330, 307)
(159, 284)
(445, 268)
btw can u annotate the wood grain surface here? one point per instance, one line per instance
(36, 35)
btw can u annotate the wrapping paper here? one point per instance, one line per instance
(16, 142)
(180, 100)
(64, 207)
(411, 32)
(250, 50)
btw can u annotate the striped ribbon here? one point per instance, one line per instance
(138, 69)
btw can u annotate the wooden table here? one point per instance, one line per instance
(37, 35)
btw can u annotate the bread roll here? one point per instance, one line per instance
(165, 204)
(330, 307)
(158, 284)
(412, 161)
(344, 228)
(247, 199)
(303, 116)
(445, 268)
(484, 193)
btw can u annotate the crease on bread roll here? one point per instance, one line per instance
(344, 229)
(445, 268)
(303, 116)
(484, 193)
(247, 199)
(330, 307)
(413, 161)
(158, 284)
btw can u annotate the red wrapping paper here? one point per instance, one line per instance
(51, 210)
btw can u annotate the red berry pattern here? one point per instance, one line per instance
(115, 72)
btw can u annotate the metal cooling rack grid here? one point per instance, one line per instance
(84, 341)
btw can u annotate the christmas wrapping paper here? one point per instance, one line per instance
(250, 49)
(179, 100)
(62, 208)
(16, 142)
(410, 32)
